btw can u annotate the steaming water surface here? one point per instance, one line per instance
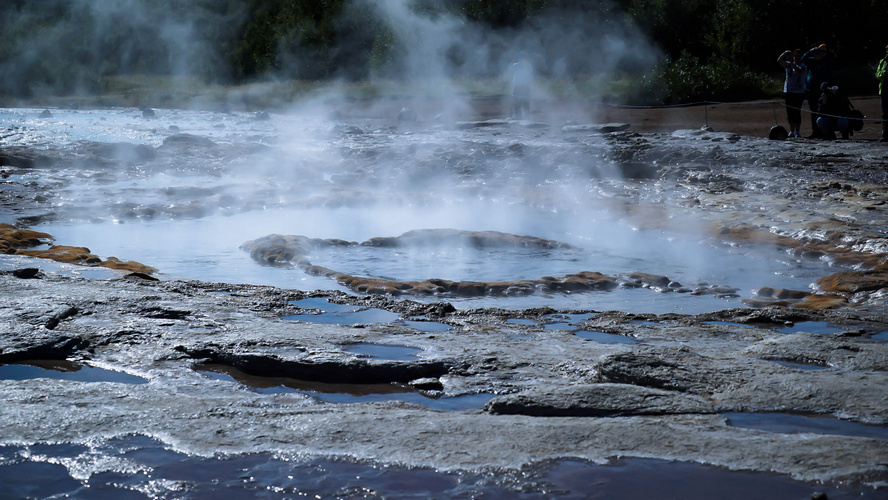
(188, 215)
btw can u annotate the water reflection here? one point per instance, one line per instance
(139, 467)
(382, 351)
(605, 338)
(786, 423)
(799, 366)
(346, 393)
(65, 370)
(340, 314)
(818, 327)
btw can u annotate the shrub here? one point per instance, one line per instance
(688, 80)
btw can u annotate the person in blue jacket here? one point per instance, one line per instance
(820, 66)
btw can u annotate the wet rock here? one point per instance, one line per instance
(26, 273)
(474, 239)
(821, 301)
(184, 140)
(853, 282)
(595, 128)
(12, 238)
(140, 276)
(58, 317)
(64, 253)
(14, 241)
(45, 114)
(822, 350)
(722, 291)
(582, 281)
(25, 158)
(649, 280)
(598, 400)
(769, 297)
(344, 370)
(427, 384)
(808, 250)
(481, 123)
(278, 249)
(673, 369)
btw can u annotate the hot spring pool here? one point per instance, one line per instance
(187, 212)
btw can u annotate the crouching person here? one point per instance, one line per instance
(834, 109)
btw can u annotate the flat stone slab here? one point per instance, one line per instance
(598, 400)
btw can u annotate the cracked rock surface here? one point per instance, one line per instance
(664, 396)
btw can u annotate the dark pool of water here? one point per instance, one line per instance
(561, 326)
(65, 370)
(799, 366)
(567, 322)
(522, 321)
(345, 314)
(346, 393)
(883, 336)
(605, 338)
(340, 314)
(137, 467)
(785, 423)
(819, 327)
(382, 351)
(427, 326)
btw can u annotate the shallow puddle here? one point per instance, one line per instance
(818, 327)
(345, 393)
(785, 423)
(340, 314)
(561, 326)
(522, 321)
(382, 351)
(65, 370)
(604, 338)
(882, 336)
(427, 326)
(568, 322)
(138, 467)
(799, 366)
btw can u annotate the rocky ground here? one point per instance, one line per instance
(663, 395)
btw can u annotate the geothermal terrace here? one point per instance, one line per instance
(377, 300)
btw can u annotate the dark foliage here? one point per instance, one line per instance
(722, 49)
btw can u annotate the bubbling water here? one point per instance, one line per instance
(188, 213)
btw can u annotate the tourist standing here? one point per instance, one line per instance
(820, 66)
(793, 88)
(882, 77)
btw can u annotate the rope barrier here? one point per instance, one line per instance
(737, 103)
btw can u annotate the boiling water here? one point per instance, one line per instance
(202, 250)
(189, 218)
